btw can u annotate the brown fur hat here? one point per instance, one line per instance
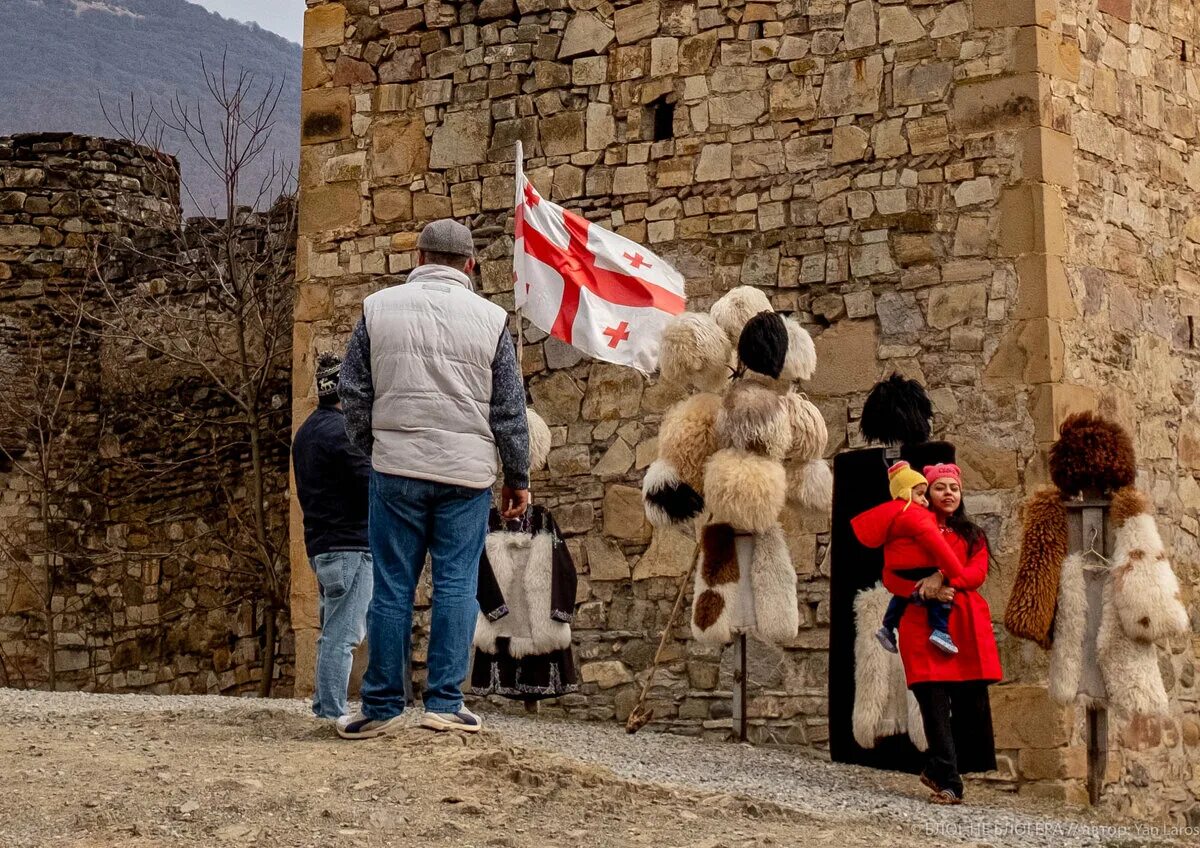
(1092, 454)
(753, 418)
(688, 436)
(1030, 610)
(695, 352)
(744, 489)
(737, 307)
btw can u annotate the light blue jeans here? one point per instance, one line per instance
(345, 579)
(410, 518)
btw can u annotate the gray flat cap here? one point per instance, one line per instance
(446, 236)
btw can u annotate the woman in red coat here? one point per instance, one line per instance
(952, 688)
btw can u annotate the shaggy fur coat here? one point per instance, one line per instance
(1140, 608)
(1030, 610)
(883, 705)
(739, 451)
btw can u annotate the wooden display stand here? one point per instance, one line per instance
(1089, 532)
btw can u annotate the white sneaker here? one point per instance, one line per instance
(464, 720)
(358, 726)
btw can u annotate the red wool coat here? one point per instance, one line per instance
(912, 539)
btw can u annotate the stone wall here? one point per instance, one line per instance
(893, 173)
(134, 604)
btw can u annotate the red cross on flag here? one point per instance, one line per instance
(589, 287)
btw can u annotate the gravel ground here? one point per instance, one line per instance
(784, 795)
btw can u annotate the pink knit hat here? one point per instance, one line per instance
(933, 473)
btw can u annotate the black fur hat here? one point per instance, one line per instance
(763, 344)
(897, 412)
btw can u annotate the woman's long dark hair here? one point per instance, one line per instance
(968, 530)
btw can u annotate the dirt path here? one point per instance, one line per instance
(85, 772)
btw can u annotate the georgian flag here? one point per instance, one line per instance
(593, 289)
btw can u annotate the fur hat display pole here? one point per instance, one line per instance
(737, 450)
(1093, 584)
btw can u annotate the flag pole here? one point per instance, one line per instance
(520, 161)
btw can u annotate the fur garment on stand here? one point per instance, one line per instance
(883, 706)
(739, 453)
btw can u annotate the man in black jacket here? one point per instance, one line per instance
(332, 478)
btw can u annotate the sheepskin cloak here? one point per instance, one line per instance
(861, 482)
(745, 583)
(1139, 609)
(883, 706)
(526, 589)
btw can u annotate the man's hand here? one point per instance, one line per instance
(513, 502)
(929, 586)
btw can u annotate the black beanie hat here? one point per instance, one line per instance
(763, 344)
(329, 369)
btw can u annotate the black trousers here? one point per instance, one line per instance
(958, 726)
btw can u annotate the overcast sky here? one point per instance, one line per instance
(285, 17)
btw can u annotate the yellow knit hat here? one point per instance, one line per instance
(901, 480)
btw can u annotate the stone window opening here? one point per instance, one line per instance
(663, 112)
(1183, 51)
(1191, 321)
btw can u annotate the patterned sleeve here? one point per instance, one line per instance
(356, 390)
(509, 424)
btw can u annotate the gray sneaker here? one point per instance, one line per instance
(358, 726)
(464, 720)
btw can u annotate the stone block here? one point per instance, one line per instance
(715, 163)
(606, 674)
(585, 33)
(849, 141)
(928, 83)
(1052, 763)
(330, 207)
(393, 204)
(669, 555)
(636, 22)
(1042, 288)
(324, 115)
(1015, 13)
(563, 134)
(325, 26)
(1038, 50)
(852, 88)
(461, 139)
(613, 392)
(314, 72)
(869, 260)
(898, 24)
(349, 71)
(664, 57)
(557, 399)
(398, 147)
(793, 100)
(951, 20)
(846, 359)
(736, 110)
(859, 30)
(696, 53)
(1068, 791)
(605, 560)
(1050, 405)
(589, 70)
(888, 138)
(404, 66)
(1121, 9)
(1005, 102)
(1032, 220)
(1025, 717)
(624, 514)
(615, 462)
(431, 207)
(1047, 156)
(955, 304)
(984, 466)
(628, 63)
(569, 461)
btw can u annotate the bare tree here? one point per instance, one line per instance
(47, 443)
(212, 304)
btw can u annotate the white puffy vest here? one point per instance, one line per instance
(433, 341)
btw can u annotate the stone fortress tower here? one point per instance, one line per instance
(996, 198)
(124, 616)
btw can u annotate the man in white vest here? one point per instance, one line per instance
(432, 393)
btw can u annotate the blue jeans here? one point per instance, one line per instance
(410, 518)
(345, 579)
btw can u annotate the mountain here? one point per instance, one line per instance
(62, 58)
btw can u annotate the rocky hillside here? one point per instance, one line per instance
(62, 58)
